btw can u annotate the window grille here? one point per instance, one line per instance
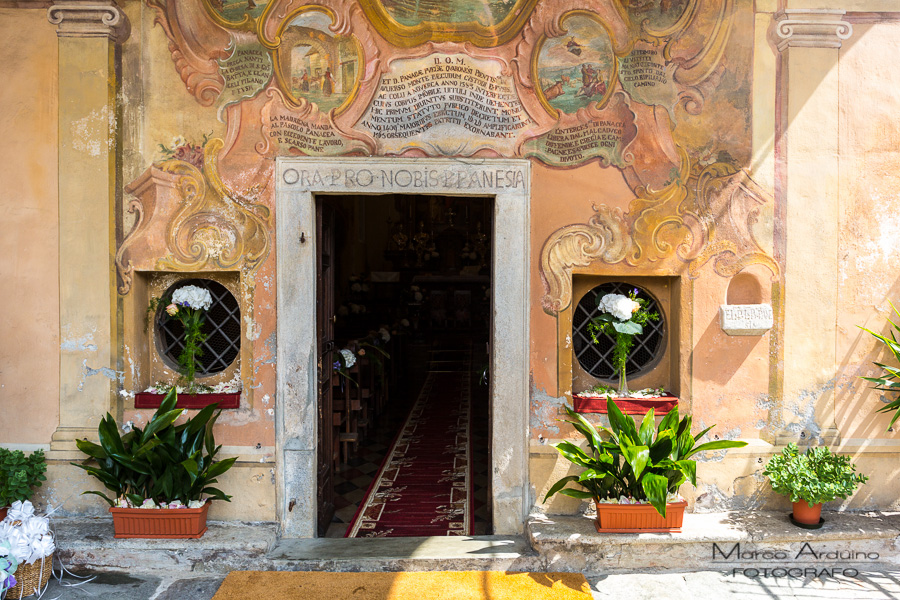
(597, 359)
(222, 328)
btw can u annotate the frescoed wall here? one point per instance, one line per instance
(663, 135)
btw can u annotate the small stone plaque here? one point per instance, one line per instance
(745, 319)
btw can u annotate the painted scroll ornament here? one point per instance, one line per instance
(647, 78)
(303, 131)
(445, 104)
(247, 71)
(188, 220)
(587, 135)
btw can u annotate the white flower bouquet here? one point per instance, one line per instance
(621, 318)
(188, 304)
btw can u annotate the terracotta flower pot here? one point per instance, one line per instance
(807, 515)
(160, 523)
(638, 518)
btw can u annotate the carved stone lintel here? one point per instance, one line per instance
(90, 19)
(811, 28)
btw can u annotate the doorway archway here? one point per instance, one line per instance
(299, 181)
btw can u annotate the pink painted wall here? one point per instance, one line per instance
(29, 304)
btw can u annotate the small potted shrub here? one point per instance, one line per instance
(810, 479)
(634, 473)
(18, 475)
(161, 477)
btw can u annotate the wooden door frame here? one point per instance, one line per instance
(299, 182)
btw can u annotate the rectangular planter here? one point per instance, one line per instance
(160, 523)
(629, 406)
(639, 518)
(153, 400)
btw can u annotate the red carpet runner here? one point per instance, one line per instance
(423, 487)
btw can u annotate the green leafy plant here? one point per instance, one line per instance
(815, 476)
(643, 462)
(890, 380)
(19, 474)
(163, 462)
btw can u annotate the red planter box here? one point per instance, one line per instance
(629, 406)
(153, 400)
(160, 523)
(639, 518)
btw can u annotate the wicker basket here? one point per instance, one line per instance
(31, 578)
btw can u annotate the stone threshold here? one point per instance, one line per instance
(719, 541)
(708, 542)
(229, 545)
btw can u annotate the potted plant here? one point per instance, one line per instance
(18, 475)
(810, 479)
(890, 380)
(633, 474)
(188, 305)
(161, 477)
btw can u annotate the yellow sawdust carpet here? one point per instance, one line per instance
(437, 585)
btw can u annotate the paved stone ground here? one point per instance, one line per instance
(634, 586)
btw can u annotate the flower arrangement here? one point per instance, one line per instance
(188, 304)
(8, 566)
(621, 318)
(181, 149)
(19, 474)
(28, 535)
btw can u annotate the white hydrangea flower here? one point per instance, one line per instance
(349, 358)
(193, 297)
(619, 306)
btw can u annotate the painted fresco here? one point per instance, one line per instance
(315, 64)
(657, 15)
(578, 68)
(236, 10)
(415, 12)
(636, 115)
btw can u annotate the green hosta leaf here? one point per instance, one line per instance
(220, 467)
(717, 445)
(101, 494)
(656, 489)
(91, 449)
(645, 433)
(573, 453)
(637, 457)
(556, 487)
(628, 327)
(580, 494)
(689, 469)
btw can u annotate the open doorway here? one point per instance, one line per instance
(404, 321)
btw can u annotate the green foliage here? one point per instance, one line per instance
(20, 473)
(163, 462)
(192, 320)
(890, 380)
(638, 461)
(815, 476)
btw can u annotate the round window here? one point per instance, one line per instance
(597, 359)
(222, 328)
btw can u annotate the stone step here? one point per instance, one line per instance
(229, 546)
(720, 542)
